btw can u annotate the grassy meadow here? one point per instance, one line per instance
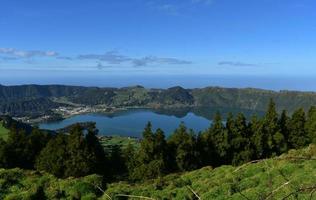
(292, 174)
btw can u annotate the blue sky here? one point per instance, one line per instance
(157, 37)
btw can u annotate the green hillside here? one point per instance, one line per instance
(267, 179)
(292, 175)
(35, 100)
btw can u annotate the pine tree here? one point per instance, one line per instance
(218, 140)
(35, 142)
(298, 137)
(151, 160)
(257, 139)
(15, 151)
(229, 127)
(98, 157)
(182, 145)
(78, 164)
(52, 158)
(281, 137)
(311, 124)
(240, 144)
(147, 144)
(284, 124)
(270, 128)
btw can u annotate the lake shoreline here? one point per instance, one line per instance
(131, 122)
(65, 112)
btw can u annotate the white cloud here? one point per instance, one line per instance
(237, 64)
(113, 57)
(16, 53)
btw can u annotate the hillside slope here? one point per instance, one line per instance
(36, 99)
(276, 178)
(292, 175)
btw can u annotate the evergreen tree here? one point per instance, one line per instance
(284, 124)
(72, 155)
(311, 124)
(240, 143)
(182, 145)
(257, 139)
(98, 156)
(150, 161)
(270, 128)
(36, 141)
(229, 128)
(217, 139)
(130, 159)
(52, 158)
(117, 162)
(298, 137)
(147, 144)
(79, 162)
(15, 152)
(281, 137)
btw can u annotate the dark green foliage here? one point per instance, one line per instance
(311, 124)
(78, 162)
(73, 155)
(298, 137)
(53, 156)
(182, 146)
(79, 152)
(117, 161)
(284, 124)
(257, 138)
(240, 141)
(270, 128)
(20, 150)
(151, 159)
(215, 143)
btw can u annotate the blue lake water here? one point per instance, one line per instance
(132, 122)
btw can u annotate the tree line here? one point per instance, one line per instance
(234, 140)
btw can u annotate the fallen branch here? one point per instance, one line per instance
(195, 194)
(248, 163)
(271, 193)
(107, 196)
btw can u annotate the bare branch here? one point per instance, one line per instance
(271, 193)
(195, 194)
(248, 163)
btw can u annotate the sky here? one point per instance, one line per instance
(77, 42)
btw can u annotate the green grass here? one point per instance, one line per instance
(110, 141)
(292, 173)
(4, 133)
(17, 184)
(267, 179)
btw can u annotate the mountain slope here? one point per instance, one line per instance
(292, 175)
(39, 99)
(276, 178)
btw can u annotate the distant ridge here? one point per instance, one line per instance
(22, 100)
